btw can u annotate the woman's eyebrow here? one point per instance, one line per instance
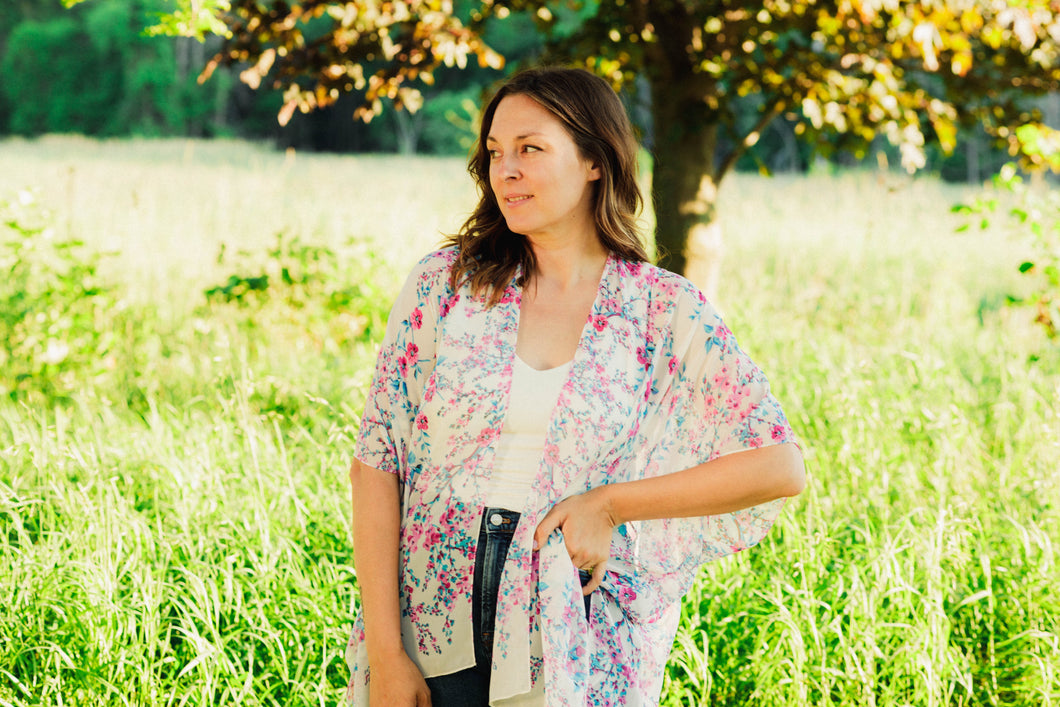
(518, 137)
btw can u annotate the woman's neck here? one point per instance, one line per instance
(565, 266)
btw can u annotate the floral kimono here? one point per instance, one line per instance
(657, 385)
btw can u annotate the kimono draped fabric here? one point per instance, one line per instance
(657, 385)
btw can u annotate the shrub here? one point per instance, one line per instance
(332, 299)
(54, 307)
(1033, 213)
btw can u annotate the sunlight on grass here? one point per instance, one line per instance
(173, 504)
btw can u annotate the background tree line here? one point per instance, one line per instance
(91, 69)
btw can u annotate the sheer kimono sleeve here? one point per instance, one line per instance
(712, 400)
(403, 367)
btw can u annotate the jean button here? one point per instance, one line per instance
(496, 519)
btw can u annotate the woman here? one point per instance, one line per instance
(557, 436)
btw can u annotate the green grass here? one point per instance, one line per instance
(173, 494)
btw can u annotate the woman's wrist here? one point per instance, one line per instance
(606, 496)
(385, 650)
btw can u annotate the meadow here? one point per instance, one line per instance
(173, 491)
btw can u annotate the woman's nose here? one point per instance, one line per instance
(509, 167)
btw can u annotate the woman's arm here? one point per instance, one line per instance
(395, 679)
(728, 483)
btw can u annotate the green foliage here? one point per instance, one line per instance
(1032, 217)
(92, 70)
(57, 80)
(176, 532)
(450, 126)
(55, 310)
(333, 299)
(192, 19)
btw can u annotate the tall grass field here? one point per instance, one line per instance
(187, 330)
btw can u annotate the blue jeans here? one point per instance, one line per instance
(471, 687)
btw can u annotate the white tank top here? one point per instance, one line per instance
(522, 440)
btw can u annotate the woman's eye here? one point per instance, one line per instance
(531, 148)
(493, 154)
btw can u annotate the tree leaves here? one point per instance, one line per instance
(318, 50)
(905, 70)
(192, 18)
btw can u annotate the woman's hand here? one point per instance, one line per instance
(586, 522)
(397, 682)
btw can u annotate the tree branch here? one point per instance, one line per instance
(767, 117)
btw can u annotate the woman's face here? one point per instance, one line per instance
(541, 181)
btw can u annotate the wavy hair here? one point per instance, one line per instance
(489, 253)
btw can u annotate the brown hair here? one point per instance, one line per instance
(490, 253)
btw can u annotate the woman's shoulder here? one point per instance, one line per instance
(435, 266)
(441, 259)
(656, 282)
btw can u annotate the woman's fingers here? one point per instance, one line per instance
(548, 525)
(586, 531)
(598, 577)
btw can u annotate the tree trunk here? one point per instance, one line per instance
(685, 175)
(971, 147)
(685, 184)
(409, 126)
